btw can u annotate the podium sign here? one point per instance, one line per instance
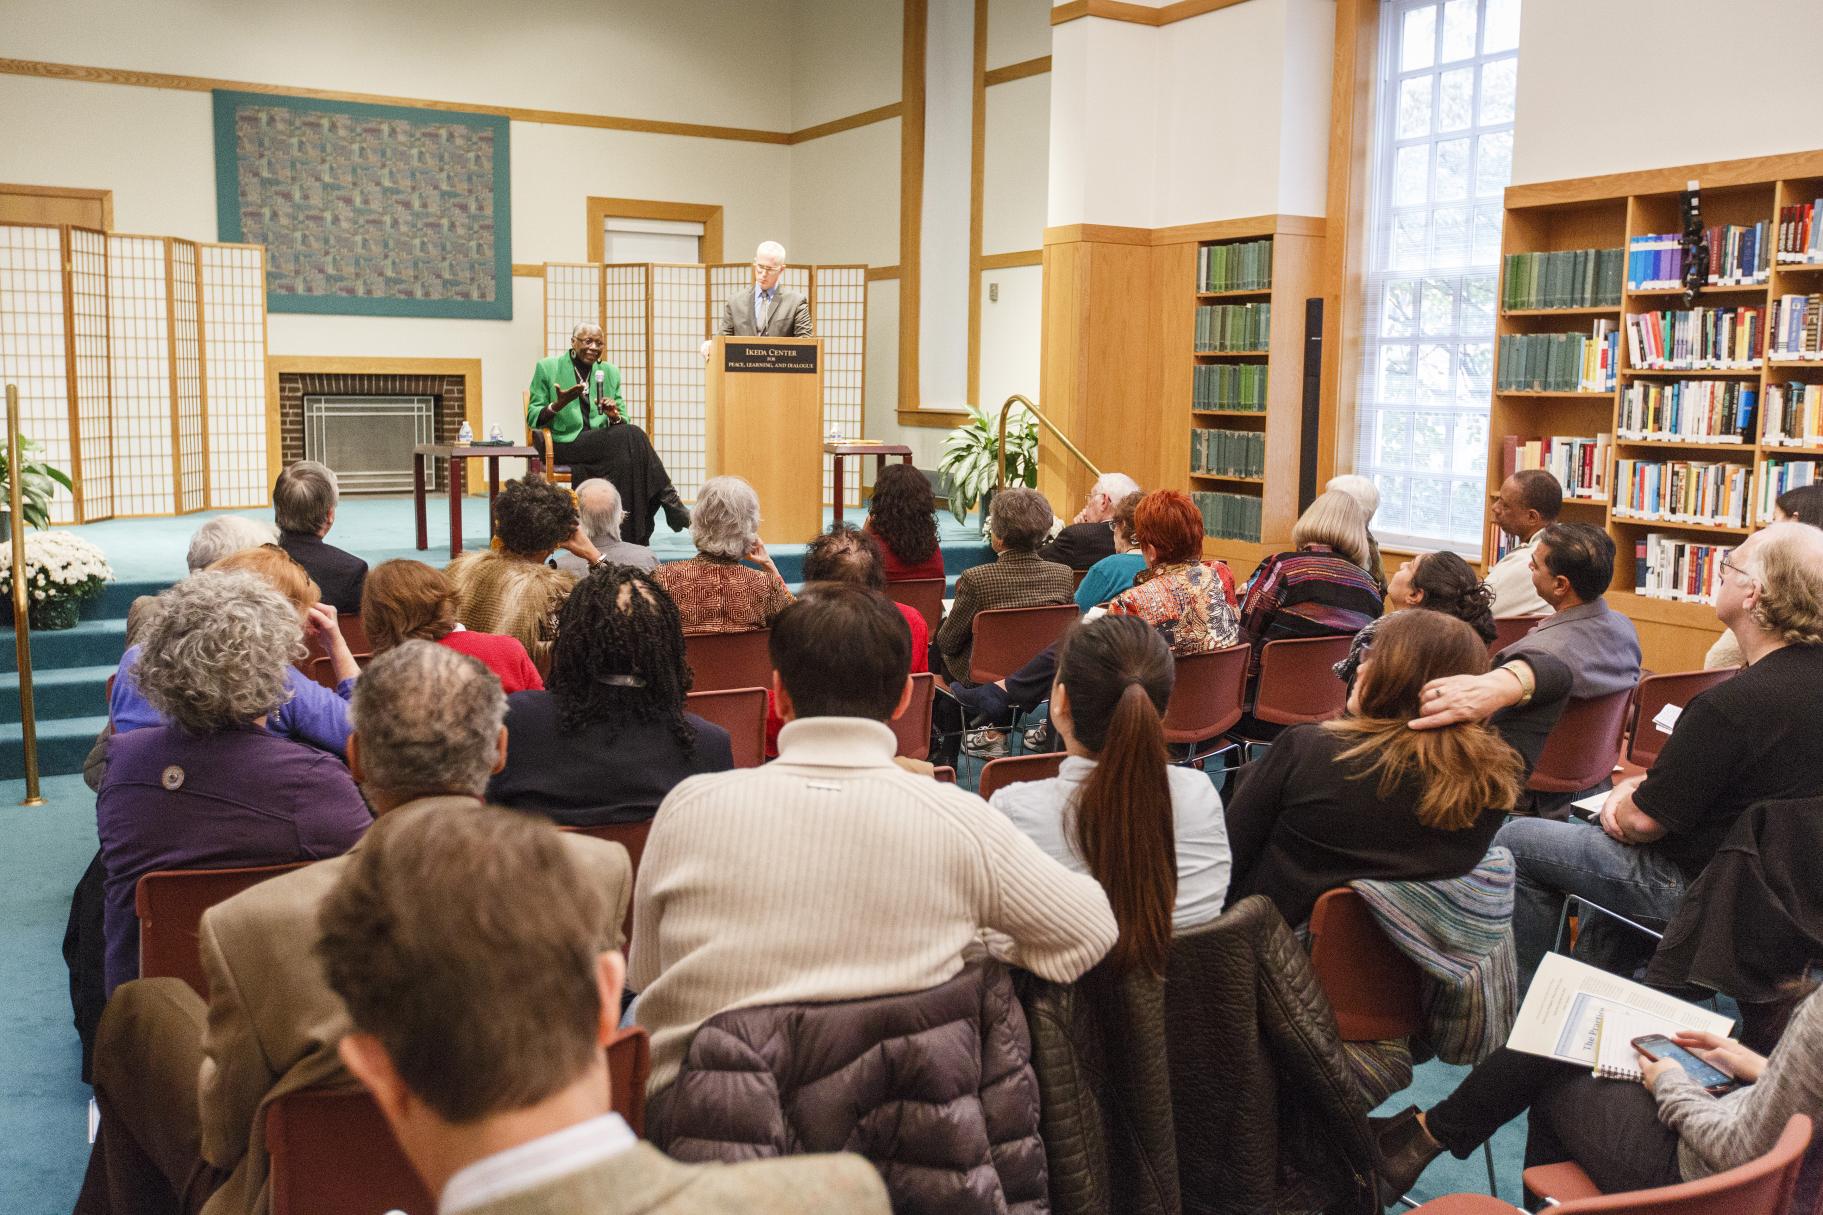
(764, 423)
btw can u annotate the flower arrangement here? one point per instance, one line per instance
(62, 572)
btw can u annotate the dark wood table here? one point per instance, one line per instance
(458, 455)
(842, 450)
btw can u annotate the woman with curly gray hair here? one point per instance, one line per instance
(713, 591)
(211, 787)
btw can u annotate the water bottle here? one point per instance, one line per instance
(466, 434)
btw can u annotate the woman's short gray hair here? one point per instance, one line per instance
(218, 651)
(224, 536)
(726, 521)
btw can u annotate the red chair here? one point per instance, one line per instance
(332, 1151)
(632, 837)
(1583, 745)
(321, 667)
(944, 774)
(1207, 699)
(1297, 681)
(996, 774)
(924, 595)
(1509, 629)
(1760, 1187)
(729, 660)
(170, 906)
(1644, 740)
(1005, 639)
(912, 727)
(741, 712)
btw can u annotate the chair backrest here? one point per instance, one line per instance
(922, 595)
(1645, 740)
(1582, 747)
(318, 664)
(741, 712)
(996, 774)
(1298, 682)
(912, 727)
(170, 904)
(944, 774)
(1373, 988)
(632, 837)
(322, 668)
(1209, 696)
(729, 660)
(1509, 629)
(1762, 1186)
(1008, 638)
(331, 1150)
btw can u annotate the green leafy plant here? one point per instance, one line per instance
(37, 482)
(971, 456)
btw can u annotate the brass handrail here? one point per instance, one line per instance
(1006, 408)
(22, 629)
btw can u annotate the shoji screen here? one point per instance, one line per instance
(234, 368)
(724, 280)
(139, 366)
(88, 291)
(572, 295)
(678, 301)
(839, 305)
(33, 352)
(187, 379)
(626, 291)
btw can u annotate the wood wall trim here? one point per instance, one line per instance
(1100, 234)
(1137, 14)
(528, 269)
(1018, 71)
(1180, 234)
(706, 214)
(314, 364)
(1351, 112)
(836, 126)
(1749, 170)
(105, 198)
(911, 198)
(977, 191)
(877, 274)
(934, 419)
(1007, 261)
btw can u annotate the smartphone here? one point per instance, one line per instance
(1713, 1079)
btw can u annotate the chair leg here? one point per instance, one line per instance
(1487, 1151)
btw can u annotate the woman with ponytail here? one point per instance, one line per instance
(1367, 796)
(1150, 833)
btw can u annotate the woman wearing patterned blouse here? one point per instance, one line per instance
(714, 592)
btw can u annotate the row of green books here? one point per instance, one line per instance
(1231, 386)
(1228, 453)
(1229, 516)
(1568, 278)
(1243, 267)
(1559, 362)
(1233, 327)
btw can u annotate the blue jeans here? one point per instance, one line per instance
(1556, 859)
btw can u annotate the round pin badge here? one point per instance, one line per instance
(173, 777)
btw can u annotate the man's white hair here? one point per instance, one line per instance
(598, 502)
(225, 535)
(1115, 485)
(770, 250)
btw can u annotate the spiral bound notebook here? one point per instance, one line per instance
(1615, 1029)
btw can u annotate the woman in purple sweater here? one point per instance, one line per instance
(210, 787)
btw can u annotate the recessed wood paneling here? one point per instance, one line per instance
(57, 205)
(911, 199)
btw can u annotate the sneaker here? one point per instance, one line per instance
(985, 744)
(1038, 738)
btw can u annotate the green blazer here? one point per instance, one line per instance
(558, 372)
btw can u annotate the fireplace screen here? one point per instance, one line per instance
(368, 440)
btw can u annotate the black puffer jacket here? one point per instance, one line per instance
(934, 1087)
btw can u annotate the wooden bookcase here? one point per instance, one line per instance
(1605, 212)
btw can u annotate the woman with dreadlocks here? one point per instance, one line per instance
(609, 737)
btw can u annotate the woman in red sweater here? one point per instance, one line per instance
(408, 599)
(903, 519)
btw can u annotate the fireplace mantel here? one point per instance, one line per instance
(290, 377)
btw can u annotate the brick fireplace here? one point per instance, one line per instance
(453, 385)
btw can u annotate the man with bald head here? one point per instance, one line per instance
(576, 396)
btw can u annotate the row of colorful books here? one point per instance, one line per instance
(1794, 415)
(1559, 362)
(1228, 453)
(1579, 464)
(1242, 267)
(1738, 254)
(1232, 386)
(1567, 278)
(1222, 327)
(1690, 411)
(1777, 477)
(1800, 235)
(1697, 339)
(1681, 491)
(1230, 516)
(1666, 567)
(1796, 328)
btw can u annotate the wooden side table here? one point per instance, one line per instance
(842, 450)
(458, 455)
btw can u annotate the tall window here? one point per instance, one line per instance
(1442, 155)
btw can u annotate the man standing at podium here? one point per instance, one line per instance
(765, 309)
(576, 396)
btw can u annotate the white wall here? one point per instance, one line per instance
(1015, 165)
(845, 197)
(1017, 30)
(1010, 334)
(846, 58)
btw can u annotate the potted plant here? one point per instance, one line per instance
(62, 572)
(37, 482)
(971, 458)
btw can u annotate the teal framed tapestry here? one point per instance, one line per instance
(368, 210)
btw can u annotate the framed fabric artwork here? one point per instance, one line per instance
(369, 210)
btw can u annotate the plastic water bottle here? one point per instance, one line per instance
(494, 435)
(466, 434)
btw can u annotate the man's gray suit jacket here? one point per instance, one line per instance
(789, 316)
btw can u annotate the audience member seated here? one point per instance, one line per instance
(1090, 535)
(1320, 588)
(903, 518)
(505, 1108)
(1625, 1136)
(1801, 505)
(509, 589)
(1528, 502)
(1367, 496)
(1572, 565)
(598, 504)
(1366, 796)
(1115, 573)
(609, 738)
(407, 600)
(1018, 577)
(1150, 833)
(1439, 582)
(831, 873)
(222, 536)
(713, 591)
(303, 502)
(211, 788)
(182, 1086)
(309, 713)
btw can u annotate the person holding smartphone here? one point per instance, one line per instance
(1669, 1127)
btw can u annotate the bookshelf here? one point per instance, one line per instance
(1693, 410)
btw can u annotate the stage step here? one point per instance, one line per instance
(63, 744)
(58, 692)
(90, 643)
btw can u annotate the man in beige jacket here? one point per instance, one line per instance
(183, 1086)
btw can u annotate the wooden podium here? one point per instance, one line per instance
(764, 423)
